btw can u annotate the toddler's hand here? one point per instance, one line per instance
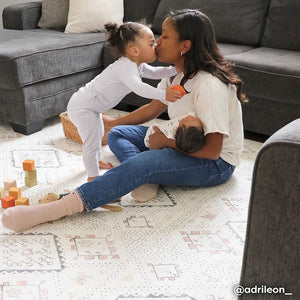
(179, 88)
(172, 95)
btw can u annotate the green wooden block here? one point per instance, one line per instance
(30, 174)
(30, 181)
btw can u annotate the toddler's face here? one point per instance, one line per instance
(189, 121)
(146, 44)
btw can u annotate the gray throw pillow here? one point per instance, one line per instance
(54, 14)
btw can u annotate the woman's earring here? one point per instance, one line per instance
(181, 53)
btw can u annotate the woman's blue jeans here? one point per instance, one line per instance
(139, 166)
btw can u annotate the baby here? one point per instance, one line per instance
(189, 138)
(187, 132)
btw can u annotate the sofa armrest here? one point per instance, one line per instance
(22, 16)
(271, 251)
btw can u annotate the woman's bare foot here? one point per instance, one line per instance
(145, 192)
(105, 165)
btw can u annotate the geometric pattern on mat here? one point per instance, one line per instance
(186, 244)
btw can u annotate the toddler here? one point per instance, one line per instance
(135, 44)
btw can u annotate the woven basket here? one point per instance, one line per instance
(69, 128)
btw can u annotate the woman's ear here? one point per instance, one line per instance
(186, 46)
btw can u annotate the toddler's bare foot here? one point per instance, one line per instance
(107, 127)
(105, 165)
(91, 179)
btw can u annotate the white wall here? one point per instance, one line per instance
(4, 3)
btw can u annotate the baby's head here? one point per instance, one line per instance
(132, 39)
(189, 136)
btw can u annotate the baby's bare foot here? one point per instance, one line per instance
(105, 165)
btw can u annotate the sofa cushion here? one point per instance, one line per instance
(283, 25)
(92, 15)
(136, 10)
(265, 116)
(36, 102)
(41, 54)
(229, 49)
(22, 16)
(235, 21)
(268, 73)
(54, 14)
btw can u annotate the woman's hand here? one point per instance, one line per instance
(157, 140)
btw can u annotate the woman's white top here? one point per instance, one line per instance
(120, 78)
(216, 105)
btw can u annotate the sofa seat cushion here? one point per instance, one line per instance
(31, 56)
(41, 100)
(229, 49)
(269, 73)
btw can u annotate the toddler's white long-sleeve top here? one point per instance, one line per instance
(119, 79)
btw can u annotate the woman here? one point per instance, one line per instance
(214, 94)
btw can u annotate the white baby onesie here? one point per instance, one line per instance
(168, 128)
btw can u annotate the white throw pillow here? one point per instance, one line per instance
(91, 15)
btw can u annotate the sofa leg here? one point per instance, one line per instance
(29, 129)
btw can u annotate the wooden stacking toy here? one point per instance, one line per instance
(15, 192)
(30, 172)
(7, 201)
(2, 192)
(9, 183)
(22, 201)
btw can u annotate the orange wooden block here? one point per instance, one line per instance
(22, 201)
(28, 165)
(8, 201)
(15, 192)
(179, 88)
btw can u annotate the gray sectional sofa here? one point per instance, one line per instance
(271, 250)
(41, 68)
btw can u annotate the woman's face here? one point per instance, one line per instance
(168, 45)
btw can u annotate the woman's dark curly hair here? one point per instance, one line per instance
(204, 54)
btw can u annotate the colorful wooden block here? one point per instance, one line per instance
(22, 201)
(9, 183)
(28, 165)
(15, 192)
(8, 201)
(30, 181)
(2, 192)
(30, 174)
